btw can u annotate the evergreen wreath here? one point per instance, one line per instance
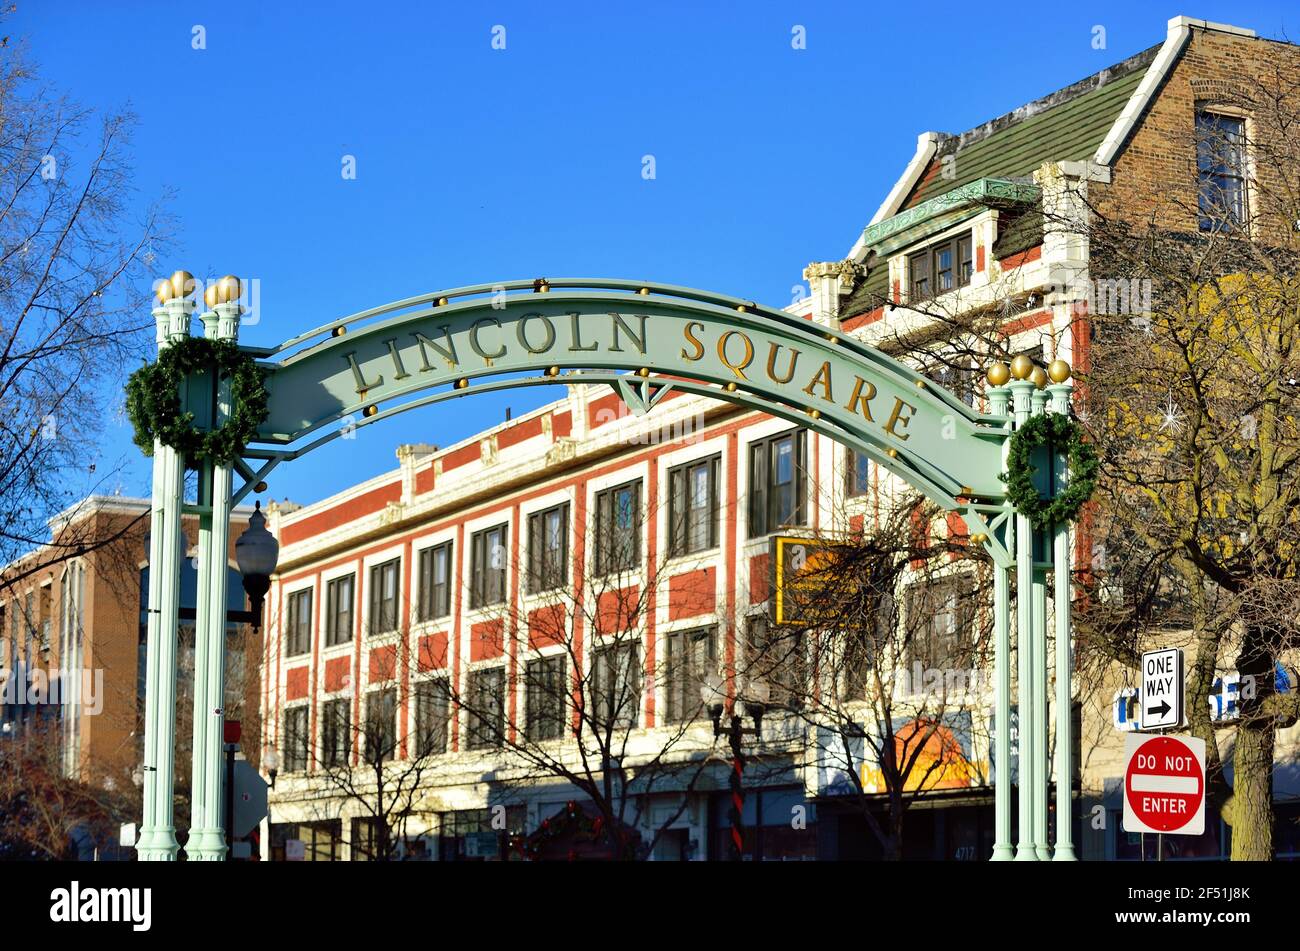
(153, 400)
(1060, 432)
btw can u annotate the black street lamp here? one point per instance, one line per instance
(256, 553)
(754, 705)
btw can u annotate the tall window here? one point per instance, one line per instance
(693, 506)
(431, 716)
(487, 714)
(338, 610)
(940, 267)
(617, 682)
(435, 583)
(297, 739)
(618, 528)
(957, 375)
(857, 473)
(384, 589)
(775, 657)
(488, 567)
(940, 621)
(548, 548)
(545, 693)
(1221, 170)
(691, 656)
(381, 725)
(298, 634)
(335, 732)
(776, 482)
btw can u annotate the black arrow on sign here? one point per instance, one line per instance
(1163, 709)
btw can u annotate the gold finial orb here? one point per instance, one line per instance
(1021, 367)
(229, 289)
(1059, 371)
(183, 284)
(644, 292)
(643, 372)
(210, 295)
(731, 387)
(893, 453)
(1039, 377)
(260, 487)
(371, 410)
(998, 374)
(815, 414)
(338, 331)
(553, 371)
(462, 383)
(442, 302)
(163, 290)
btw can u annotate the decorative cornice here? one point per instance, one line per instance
(979, 192)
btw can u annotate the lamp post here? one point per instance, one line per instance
(754, 704)
(256, 553)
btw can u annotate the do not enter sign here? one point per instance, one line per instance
(1164, 784)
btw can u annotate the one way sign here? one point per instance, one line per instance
(1160, 693)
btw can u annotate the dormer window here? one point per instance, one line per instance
(940, 267)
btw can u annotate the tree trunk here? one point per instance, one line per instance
(1251, 806)
(1250, 810)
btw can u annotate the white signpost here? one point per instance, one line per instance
(1160, 690)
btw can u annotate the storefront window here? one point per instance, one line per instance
(780, 826)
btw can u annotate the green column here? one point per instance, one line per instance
(157, 841)
(1064, 693)
(207, 836)
(1020, 390)
(1003, 850)
(1042, 773)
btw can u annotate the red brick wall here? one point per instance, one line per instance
(487, 639)
(693, 593)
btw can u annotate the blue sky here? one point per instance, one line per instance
(475, 165)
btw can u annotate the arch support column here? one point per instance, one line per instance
(207, 840)
(157, 841)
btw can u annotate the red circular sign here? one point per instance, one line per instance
(1164, 784)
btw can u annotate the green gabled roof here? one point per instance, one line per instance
(1068, 125)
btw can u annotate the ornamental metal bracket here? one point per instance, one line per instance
(641, 395)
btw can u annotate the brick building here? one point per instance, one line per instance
(403, 599)
(73, 619)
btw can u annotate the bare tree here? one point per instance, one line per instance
(45, 815)
(879, 651)
(365, 764)
(579, 716)
(1193, 314)
(73, 306)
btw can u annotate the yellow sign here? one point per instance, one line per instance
(802, 570)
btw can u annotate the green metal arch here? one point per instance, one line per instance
(642, 339)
